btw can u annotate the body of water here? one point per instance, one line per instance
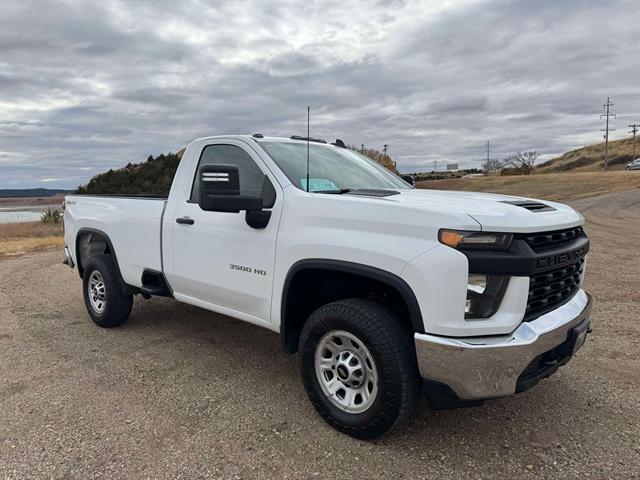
(21, 214)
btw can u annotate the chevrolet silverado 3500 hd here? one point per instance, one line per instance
(385, 291)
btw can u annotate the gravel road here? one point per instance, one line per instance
(178, 392)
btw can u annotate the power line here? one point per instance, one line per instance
(633, 129)
(606, 130)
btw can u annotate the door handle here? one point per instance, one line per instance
(185, 221)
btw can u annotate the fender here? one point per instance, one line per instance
(125, 288)
(367, 271)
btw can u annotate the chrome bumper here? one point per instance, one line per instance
(486, 367)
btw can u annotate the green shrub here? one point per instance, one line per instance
(52, 215)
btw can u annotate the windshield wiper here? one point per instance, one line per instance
(365, 192)
(339, 191)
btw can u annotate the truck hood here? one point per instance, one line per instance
(491, 211)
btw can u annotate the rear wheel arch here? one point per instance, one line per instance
(311, 283)
(92, 242)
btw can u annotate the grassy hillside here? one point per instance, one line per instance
(591, 158)
(550, 186)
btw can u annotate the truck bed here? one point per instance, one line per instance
(133, 224)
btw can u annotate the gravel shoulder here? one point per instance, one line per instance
(178, 392)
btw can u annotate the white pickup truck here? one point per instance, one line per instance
(385, 291)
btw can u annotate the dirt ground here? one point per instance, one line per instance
(178, 392)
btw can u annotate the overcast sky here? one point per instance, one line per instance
(87, 86)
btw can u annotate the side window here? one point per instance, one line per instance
(251, 177)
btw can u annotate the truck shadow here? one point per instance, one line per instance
(215, 348)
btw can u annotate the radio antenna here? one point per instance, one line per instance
(308, 115)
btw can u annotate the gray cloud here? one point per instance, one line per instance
(87, 86)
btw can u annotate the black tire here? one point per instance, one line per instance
(117, 306)
(393, 351)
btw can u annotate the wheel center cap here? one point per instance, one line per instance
(343, 373)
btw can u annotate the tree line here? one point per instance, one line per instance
(380, 157)
(152, 177)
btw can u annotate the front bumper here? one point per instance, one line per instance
(485, 367)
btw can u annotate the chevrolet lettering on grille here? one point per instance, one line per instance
(562, 258)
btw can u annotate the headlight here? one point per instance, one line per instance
(465, 239)
(484, 294)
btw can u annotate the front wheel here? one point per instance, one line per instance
(106, 304)
(359, 368)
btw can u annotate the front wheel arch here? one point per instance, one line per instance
(311, 283)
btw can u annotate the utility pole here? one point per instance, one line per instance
(487, 152)
(633, 130)
(606, 130)
(384, 149)
(487, 165)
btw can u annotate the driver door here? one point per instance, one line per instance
(219, 262)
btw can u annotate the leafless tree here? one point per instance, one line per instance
(524, 162)
(492, 166)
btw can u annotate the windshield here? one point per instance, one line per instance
(330, 169)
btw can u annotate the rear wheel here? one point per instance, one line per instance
(106, 304)
(359, 368)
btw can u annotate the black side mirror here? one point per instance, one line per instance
(220, 190)
(408, 179)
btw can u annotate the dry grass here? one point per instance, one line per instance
(550, 186)
(20, 238)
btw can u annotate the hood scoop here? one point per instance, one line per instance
(530, 205)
